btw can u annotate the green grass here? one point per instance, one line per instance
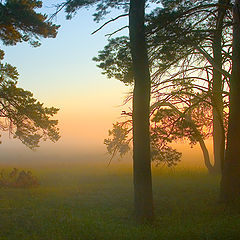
(75, 205)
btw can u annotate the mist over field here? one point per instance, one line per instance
(67, 154)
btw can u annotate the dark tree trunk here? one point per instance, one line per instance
(217, 98)
(143, 198)
(230, 182)
(206, 156)
(202, 144)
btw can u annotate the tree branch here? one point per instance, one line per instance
(112, 20)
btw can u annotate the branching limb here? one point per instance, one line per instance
(106, 23)
(119, 30)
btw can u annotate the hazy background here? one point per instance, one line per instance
(61, 73)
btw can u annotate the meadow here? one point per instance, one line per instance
(85, 204)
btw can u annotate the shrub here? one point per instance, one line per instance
(18, 179)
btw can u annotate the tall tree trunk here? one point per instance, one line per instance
(230, 182)
(217, 98)
(143, 197)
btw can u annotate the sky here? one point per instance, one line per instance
(61, 73)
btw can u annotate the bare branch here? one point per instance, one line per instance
(59, 9)
(112, 20)
(211, 61)
(120, 29)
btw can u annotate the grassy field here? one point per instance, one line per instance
(76, 204)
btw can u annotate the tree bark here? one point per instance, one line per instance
(217, 98)
(230, 182)
(143, 198)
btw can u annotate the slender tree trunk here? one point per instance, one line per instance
(217, 98)
(206, 156)
(230, 182)
(143, 198)
(198, 135)
(201, 143)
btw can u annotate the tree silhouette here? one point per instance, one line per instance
(222, 53)
(182, 51)
(141, 159)
(230, 182)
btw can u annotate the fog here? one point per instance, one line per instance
(67, 154)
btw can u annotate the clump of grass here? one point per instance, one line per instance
(18, 179)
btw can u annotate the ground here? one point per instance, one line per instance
(75, 204)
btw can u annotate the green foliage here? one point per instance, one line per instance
(17, 179)
(102, 7)
(20, 21)
(165, 154)
(174, 32)
(171, 37)
(119, 142)
(20, 113)
(161, 153)
(168, 123)
(115, 60)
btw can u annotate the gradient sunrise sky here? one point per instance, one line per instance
(61, 73)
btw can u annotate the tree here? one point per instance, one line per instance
(141, 160)
(169, 123)
(217, 89)
(230, 182)
(20, 21)
(196, 29)
(182, 40)
(20, 113)
(141, 108)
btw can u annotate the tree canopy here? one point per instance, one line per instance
(20, 21)
(181, 37)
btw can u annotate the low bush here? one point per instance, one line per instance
(18, 179)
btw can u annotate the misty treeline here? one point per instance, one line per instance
(182, 60)
(23, 116)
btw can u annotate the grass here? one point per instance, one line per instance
(75, 205)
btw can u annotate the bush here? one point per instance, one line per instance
(18, 179)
